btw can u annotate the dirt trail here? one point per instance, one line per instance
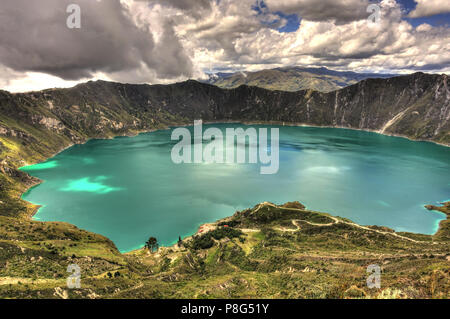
(336, 221)
(138, 286)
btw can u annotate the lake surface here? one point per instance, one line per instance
(128, 188)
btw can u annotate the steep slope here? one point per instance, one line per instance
(292, 79)
(267, 251)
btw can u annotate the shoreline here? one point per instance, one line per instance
(296, 124)
(206, 227)
(36, 207)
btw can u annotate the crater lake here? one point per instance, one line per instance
(129, 189)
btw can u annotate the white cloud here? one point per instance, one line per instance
(424, 27)
(231, 35)
(357, 45)
(32, 81)
(427, 8)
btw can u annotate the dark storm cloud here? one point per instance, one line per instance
(430, 67)
(6, 76)
(34, 37)
(341, 11)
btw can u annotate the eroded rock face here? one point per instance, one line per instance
(51, 123)
(10, 132)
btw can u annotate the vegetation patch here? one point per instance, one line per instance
(206, 240)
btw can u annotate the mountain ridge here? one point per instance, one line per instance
(292, 78)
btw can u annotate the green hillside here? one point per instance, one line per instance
(268, 251)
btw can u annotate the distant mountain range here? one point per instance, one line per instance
(292, 79)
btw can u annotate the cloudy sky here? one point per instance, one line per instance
(163, 41)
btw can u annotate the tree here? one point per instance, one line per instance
(152, 244)
(180, 242)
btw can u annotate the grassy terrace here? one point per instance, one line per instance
(268, 251)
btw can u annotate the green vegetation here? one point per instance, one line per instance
(444, 226)
(286, 252)
(152, 244)
(207, 240)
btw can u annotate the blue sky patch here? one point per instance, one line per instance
(434, 20)
(437, 20)
(292, 20)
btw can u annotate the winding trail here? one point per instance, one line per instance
(336, 221)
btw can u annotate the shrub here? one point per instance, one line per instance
(206, 241)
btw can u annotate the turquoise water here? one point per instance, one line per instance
(128, 188)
